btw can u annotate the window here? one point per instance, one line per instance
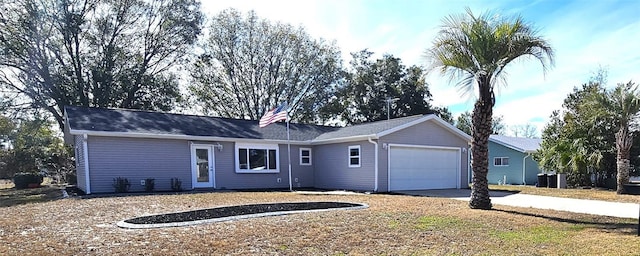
(500, 161)
(354, 156)
(305, 156)
(255, 158)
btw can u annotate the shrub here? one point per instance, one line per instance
(121, 185)
(149, 184)
(24, 180)
(176, 184)
(71, 179)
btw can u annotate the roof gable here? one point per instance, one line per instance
(524, 145)
(434, 118)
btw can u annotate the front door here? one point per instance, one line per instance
(202, 166)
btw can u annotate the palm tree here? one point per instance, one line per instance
(623, 104)
(477, 49)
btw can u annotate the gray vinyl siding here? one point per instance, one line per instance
(332, 169)
(424, 134)
(304, 173)
(137, 159)
(227, 178)
(80, 168)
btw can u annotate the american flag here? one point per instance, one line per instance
(274, 115)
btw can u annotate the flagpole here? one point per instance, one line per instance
(289, 152)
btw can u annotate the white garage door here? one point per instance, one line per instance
(413, 168)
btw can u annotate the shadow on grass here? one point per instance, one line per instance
(449, 193)
(12, 196)
(609, 224)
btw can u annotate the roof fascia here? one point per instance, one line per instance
(344, 139)
(508, 145)
(183, 137)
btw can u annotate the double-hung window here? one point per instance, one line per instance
(256, 158)
(305, 156)
(500, 161)
(354, 156)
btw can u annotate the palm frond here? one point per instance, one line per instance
(470, 48)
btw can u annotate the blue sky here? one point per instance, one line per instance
(585, 34)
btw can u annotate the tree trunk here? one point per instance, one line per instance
(623, 145)
(481, 129)
(623, 175)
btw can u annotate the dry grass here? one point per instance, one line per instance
(10, 196)
(393, 225)
(594, 194)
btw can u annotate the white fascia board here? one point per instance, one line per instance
(508, 145)
(423, 146)
(344, 139)
(182, 137)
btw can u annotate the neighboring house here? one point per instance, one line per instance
(417, 152)
(511, 161)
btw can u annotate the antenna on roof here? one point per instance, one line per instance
(388, 100)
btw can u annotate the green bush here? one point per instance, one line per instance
(149, 184)
(176, 184)
(24, 180)
(121, 185)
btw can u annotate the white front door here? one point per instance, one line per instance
(202, 166)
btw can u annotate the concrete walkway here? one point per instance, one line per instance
(596, 207)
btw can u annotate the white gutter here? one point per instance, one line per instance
(524, 164)
(375, 186)
(469, 170)
(182, 137)
(343, 139)
(85, 153)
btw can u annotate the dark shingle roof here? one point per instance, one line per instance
(367, 128)
(144, 122)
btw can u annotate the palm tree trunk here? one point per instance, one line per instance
(481, 129)
(623, 175)
(623, 145)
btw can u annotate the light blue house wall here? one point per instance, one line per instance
(514, 171)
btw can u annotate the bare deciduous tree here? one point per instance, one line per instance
(250, 64)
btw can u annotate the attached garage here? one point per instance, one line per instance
(413, 167)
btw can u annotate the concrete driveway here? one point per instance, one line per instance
(622, 210)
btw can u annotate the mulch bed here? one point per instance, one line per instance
(229, 211)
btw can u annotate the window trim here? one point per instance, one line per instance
(359, 157)
(501, 161)
(302, 157)
(249, 146)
